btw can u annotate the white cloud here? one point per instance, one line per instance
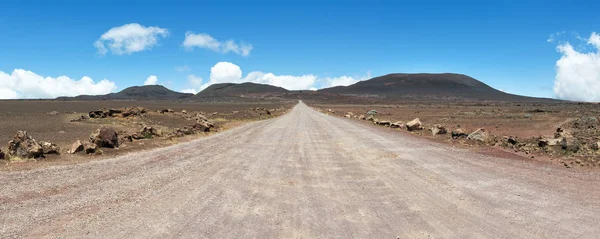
(578, 72)
(195, 82)
(203, 40)
(344, 80)
(190, 91)
(22, 84)
(151, 80)
(227, 72)
(129, 38)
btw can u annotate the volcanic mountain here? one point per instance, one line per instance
(240, 90)
(446, 86)
(148, 92)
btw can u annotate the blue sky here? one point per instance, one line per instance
(502, 43)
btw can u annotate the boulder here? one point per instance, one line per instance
(385, 123)
(49, 148)
(76, 147)
(512, 140)
(53, 113)
(458, 133)
(479, 135)
(1, 155)
(105, 137)
(544, 142)
(200, 116)
(124, 137)
(98, 113)
(184, 112)
(203, 125)
(414, 125)
(570, 144)
(24, 146)
(397, 124)
(348, 116)
(370, 118)
(148, 132)
(127, 112)
(438, 129)
(166, 111)
(90, 148)
(362, 117)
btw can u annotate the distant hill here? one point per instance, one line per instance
(149, 92)
(240, 90)
(445, 86)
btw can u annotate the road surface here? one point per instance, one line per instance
(302, 175)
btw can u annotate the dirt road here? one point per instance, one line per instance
(302, 175)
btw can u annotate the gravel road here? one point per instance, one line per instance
(302, 175)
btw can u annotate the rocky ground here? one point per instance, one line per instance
(33, 133)
(564, 133)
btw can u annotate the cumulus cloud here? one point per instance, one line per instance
(23, 84)
(578, 72)
(189, 91)
(344, 80)
(227, 72)
(195, 82)
(151, 80)
(129, 38)
(203, 40)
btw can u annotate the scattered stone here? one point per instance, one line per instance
(385, 123)
(184, 112)
(53, 113)
(478, 135)
(117, 112)
(397, 124)
(570, 144)
(458, 133)
(370, 118)
(105, 138)
(204, 125)
(528, 116)
(414, 125)
(372, 112)
(438, 129)
(24, 146)
(90, 148)
(166, 111)
(235, 112)
(81, 118)
(348, 116)
(544, 142)
(596, 145)
(76, 147)
(49, 148)
(149, 132)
